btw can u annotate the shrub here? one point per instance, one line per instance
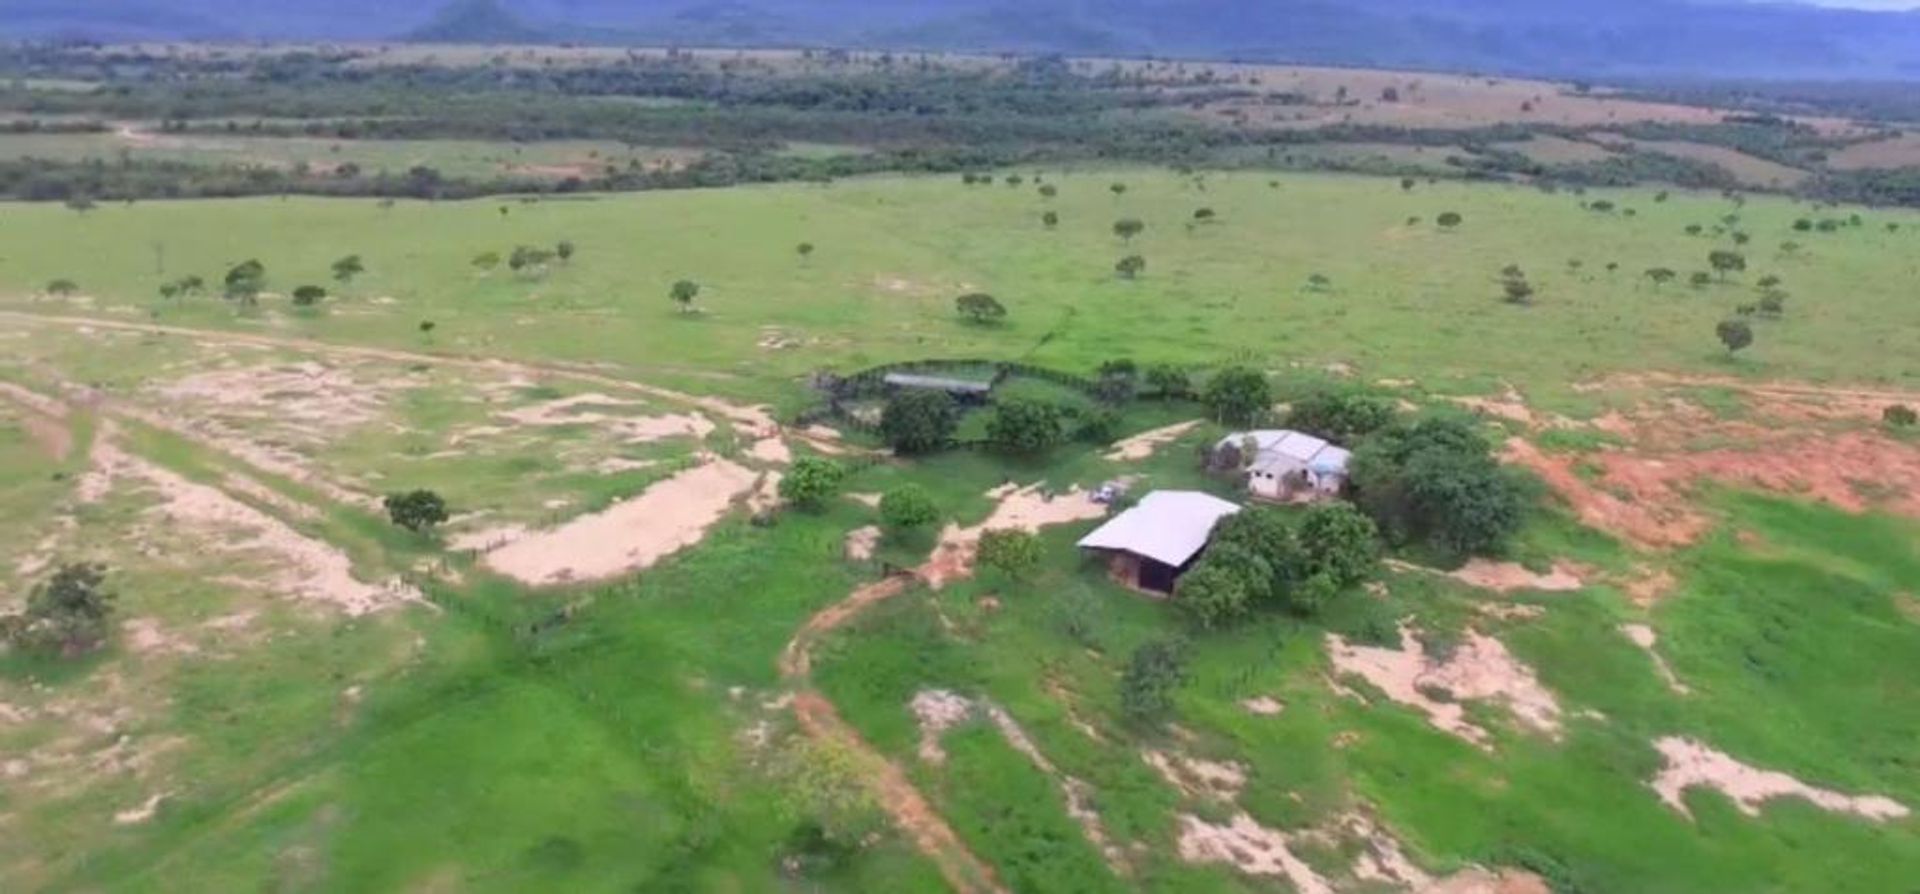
(1216, 594)
(67, 614)
(1169, 382)
(1437, 479)
(1900, 416)
(1156, 670)
(908, 506)
(811, 482)
(1011, 551)
(1339, 417)
(1341, 544)
(308, 296)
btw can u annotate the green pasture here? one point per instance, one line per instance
(1407, 299)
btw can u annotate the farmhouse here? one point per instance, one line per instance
(1284, 465)
(1149, 546)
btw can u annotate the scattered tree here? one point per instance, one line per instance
(918, 421)
(804, 250)
(908, 507)
(1118, 189)
(564, 250)
(1203, 215)
(1340, 543)
(1050, 219)
(811, 482)
(1010, 551)
(1238, 395)
(1449, 220)
(417, 511)
(246, 281)
(1736, 334)
(487, 260)
(1899, 416)
(63, 287)
(1699, 279)
(345, 269)
(1725, 261)
(1131, 266)
(683, 293)
(1048, 190)
(980, 308)
(308, 296)
(1127, 228)
(1319, 282)
(529, 260)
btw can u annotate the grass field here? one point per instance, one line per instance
(300, 696)
(476, 159)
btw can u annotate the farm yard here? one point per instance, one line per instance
(649, 649)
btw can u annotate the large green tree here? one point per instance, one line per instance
(1238, 395)
(919, 421)
(811, 482)
(1026, 426)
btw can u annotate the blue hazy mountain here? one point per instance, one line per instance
(1732, 38)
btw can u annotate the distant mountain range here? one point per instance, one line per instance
(1595, 38)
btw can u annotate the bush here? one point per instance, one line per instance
(1345, 418)
(1900, 416)
(1011, 551)
(1238, 396)
(1154, 673)
(1026, 426)
(1341, 544)
(67, 614)
(308, 296)
(908, 506)
(811, 482)
(1098, 426)
(416, 511)
(919, 421)
(1169, 382)
(1216, 594)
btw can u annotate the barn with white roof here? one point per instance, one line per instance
(1149, 546)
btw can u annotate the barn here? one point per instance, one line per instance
(1148, 547)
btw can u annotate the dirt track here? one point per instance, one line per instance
(819, 719)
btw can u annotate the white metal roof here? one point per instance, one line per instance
(1168, 526)
(1281, 450)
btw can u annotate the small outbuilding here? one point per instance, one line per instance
(1149, 546)
(1285, 465)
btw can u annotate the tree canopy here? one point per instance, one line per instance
(919, 421)
(980, 307)
(1238, 395)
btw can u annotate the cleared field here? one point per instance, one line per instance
(1751, 170)
(1552, 150)
(1901, 151)
(623, 667)
(454, 158)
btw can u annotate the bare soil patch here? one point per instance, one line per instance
(590, 409)
(1022, 508)
(1506, 577)
(862, 542)
(1248, 847)
(1262, 706)
(307, 568)
(1145, 444)
(1692, 764)
(1479, 669)
(630, 535)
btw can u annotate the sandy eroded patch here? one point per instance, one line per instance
(1022, 508)
(596, 410)
(306, 568)
(1691, 764)
(1145, 444)
(861, 543)
(630, 535)
(1479, 669)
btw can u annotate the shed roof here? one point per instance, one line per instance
(943, 383)
(1282, 450)
(1168, 526)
